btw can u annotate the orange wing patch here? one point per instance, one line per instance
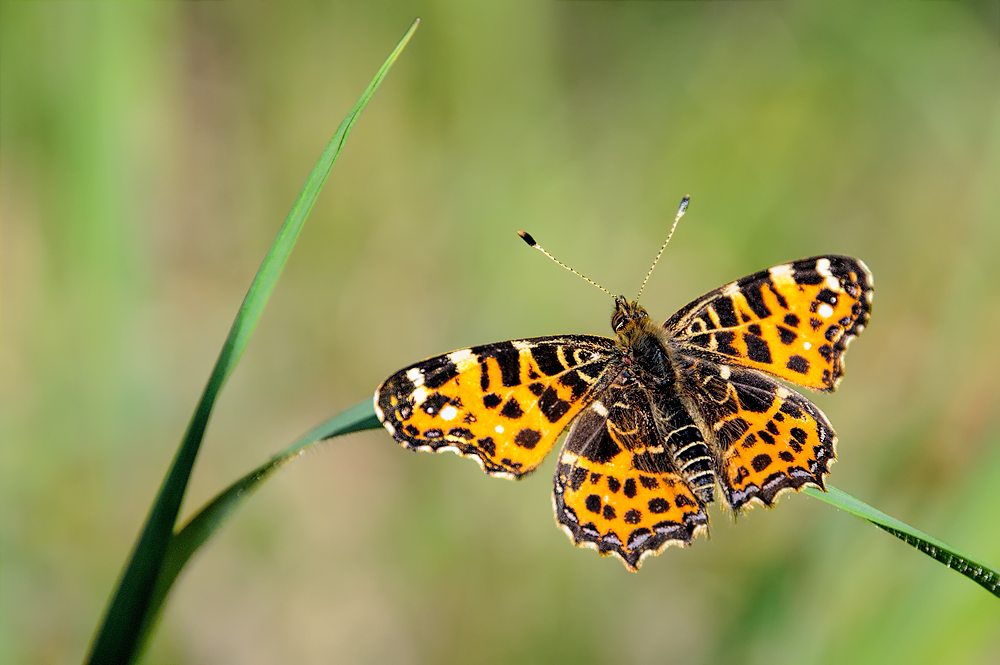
(793, 321)
(502, 404)
(615, 487)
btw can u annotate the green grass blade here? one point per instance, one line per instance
(938, 550)
(209, 520)
(119, 635)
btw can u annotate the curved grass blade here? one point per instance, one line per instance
(119, 635)
(209, 520)
(938, 550)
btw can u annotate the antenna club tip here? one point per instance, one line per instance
(526, 237)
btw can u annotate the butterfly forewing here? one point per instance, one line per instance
(503, 404)
(793, 321)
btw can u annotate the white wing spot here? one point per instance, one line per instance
(498, 429)
(825, 311)
(462, 358)
(568, 458)
(725, 372)
(784, 270)
(782, 392)
(807, 345)
(730, 289)
(449, 412)
(601, 410)
(415, 376)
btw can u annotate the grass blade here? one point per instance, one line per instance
(209, 520)
(938, 550)
(120, 633)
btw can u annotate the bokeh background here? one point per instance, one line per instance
(151, 150)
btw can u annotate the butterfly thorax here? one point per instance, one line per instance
(642, 341)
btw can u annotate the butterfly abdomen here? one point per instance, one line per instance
(695, 464)
(685, 444)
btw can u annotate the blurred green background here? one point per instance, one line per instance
(151, 150)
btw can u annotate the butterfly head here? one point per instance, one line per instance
(629, 320)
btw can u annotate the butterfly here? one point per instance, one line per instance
(662, 418)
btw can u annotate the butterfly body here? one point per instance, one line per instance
(660, 418)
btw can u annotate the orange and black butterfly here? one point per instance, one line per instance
(662, 417)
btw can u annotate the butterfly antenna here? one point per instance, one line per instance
(526, 237)
(680, 213)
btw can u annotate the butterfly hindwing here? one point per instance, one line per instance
(768, 438)
(793, 321)
(503, 404)
(617, 488)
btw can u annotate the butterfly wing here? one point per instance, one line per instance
(617, 485)
(766, 437)
(502, 404)
(793, 321)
